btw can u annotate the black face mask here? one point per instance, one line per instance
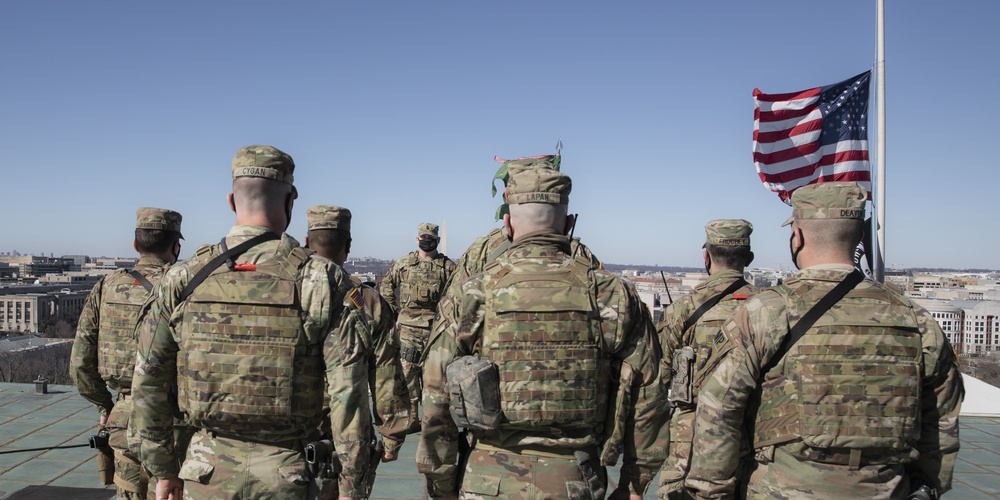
(427, 244)
(795, 253)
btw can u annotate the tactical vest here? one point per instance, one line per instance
(703, 339)
(246, 363)
(542, 329)
(852, 381)
(121, 300)
(421, 287)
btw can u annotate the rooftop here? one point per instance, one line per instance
(29, 420)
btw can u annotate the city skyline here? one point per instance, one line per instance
(397, 110)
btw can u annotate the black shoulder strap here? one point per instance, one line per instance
(226, 256)
(710, 303)
(810, 317)
(140, 279)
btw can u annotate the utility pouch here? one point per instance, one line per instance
(105, 456)
(683, 370)
(594, 482)
(474, 386)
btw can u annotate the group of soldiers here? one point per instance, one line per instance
(250, 370)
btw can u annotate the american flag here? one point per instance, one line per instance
(816, 135)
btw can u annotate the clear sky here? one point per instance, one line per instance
(395, 109)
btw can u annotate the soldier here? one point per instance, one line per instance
(850, 390)
(542, 358)
(104, 350)
(248, 328)
(420, 277)
(687, 334)
(486, 249)
(365, 311)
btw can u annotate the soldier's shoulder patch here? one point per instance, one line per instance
(356, 297)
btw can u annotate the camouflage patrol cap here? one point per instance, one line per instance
(828, 200)
(328, 217)
(532, 181)
(158, 218)
(263, 161)
(426, 228)
(728, 232)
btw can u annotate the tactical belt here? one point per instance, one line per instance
(710, 303)
(291, 444)
(228, 255)
(563, 452)
(141, 280)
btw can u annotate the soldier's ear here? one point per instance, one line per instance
(135, 245)
(508, 227)
(231, 200)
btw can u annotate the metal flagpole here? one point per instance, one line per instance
(879, 261)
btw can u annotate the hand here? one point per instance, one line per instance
(389, 456)
(170, 489)
(103, 421)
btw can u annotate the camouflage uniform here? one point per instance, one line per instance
(104, 350)
(602, 359)
(699, 336)
(248, 349)
(368, 316)
(866, 401)
(420, 283)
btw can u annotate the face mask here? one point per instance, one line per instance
(177, 252)
(795, 253)
(427, 244)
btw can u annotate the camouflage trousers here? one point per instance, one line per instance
(784, 476)
(221, 468)
(413, 339)
(675, 468)
(495, 474)
(131, 481)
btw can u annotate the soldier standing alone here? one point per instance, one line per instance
(420, 278)
(850, 390)
(542, 357)
(104, 350)
(688, 332)
(248, 329)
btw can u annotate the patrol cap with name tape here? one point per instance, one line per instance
(828, 200)
(328, 217)
(728, 232)
(426, 228)
(534, 181)
(263, 161)
(158, 218)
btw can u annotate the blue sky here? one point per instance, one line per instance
(395, 110)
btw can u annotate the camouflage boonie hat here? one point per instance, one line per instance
(328, 217)
(263, 161)
(728, 232)
(426, 228)
(158, 218)
(828, 200)
(530, 184)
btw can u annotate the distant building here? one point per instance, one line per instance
(972, 326)
(25, 312)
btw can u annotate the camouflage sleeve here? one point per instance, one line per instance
(671, 336)
(155, 373)
(387, 289)
(646, 433)
(345, 353)
(751, 338)
(942, 395)
(388, 388)
(83, 360)
(454, 333)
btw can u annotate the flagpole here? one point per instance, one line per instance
(879, 271)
